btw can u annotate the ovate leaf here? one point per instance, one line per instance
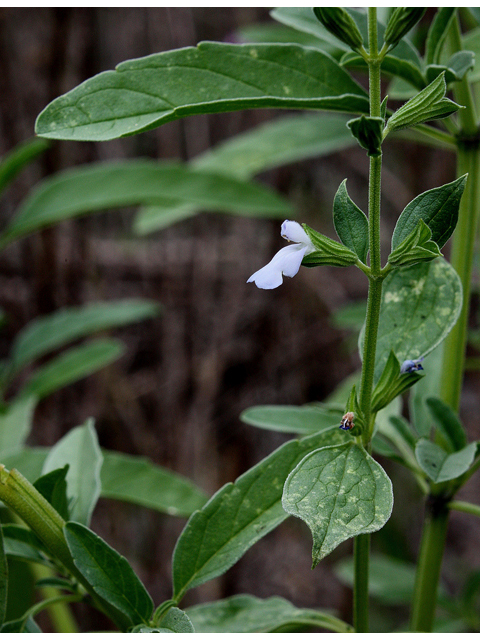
(350, 222)
(43, 335)
(109, 574)
(291, 419)
(239, 515)
(441, 466)
(248, 614)
(340, 492)
(438, 208)
(420, 305)
(79, 449)
(139, 481)
(212, 77)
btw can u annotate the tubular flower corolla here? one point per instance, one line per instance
(287, 261)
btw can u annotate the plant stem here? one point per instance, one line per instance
(466, 507)
(429, 565)
(362, 542)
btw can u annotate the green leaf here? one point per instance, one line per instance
(441, 466)
(118, 184)
(28, 460)
(176, 621)
(369, 133)
(238, 515)
(329, 252)
(420, 305)
(391, 581)
(21, 543)
(291, 419)
(270, 33)
(45, 334)
(418, 246)
(437, 34)
(248, 614)
(139, 481)
(429, 104)
(16, 423)
(73, 365)
(341, 24)
(53, 488)
(455, 69)
(340, 492)
(392, 383)
(438, 208)
(21, 155)
(109, 574)
(448, 423)
(281, 141)
(350, 223)
(80, 451)
(3, 580)
(212, 77)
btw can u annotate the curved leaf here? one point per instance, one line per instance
(212, 77)
(118, 184)
(248, 614)
(291, 419)
(238, 515)
(340, 492)
(109, 574)
(21, 155)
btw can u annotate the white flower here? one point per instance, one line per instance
(287, 261)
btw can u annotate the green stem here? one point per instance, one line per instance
(362, 542)
(361, 555)
(429, 565)
(466, 507)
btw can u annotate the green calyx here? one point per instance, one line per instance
(400, 23)
(341, 24)
(328, 252)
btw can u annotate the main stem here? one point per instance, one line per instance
(362, 542)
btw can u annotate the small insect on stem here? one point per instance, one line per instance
(347, 421)
(411, 365)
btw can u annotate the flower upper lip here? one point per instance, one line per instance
(287, 261)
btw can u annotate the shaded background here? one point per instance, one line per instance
(220, 345)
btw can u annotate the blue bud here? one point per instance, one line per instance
(411, 365)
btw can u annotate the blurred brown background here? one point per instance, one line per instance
(220, 345)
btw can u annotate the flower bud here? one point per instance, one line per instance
(341, 24)
(400, 23)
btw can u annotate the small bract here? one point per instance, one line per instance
(288, 260)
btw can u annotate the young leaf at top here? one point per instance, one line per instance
(239, 515)
(441, 466)
(438, 208)
(418, 246)
(420, 305)
(248, 614)
(369, 133)
(429, 104)
(341, 24)
(340, 492)
(109, 574)
(212, 77)
(80, 451)
(401, 20)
